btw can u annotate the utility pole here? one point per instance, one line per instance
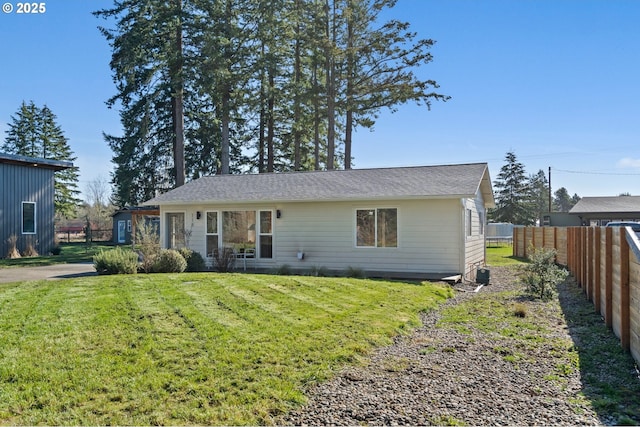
(549, 189)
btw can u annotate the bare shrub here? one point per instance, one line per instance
(30, 251)
(13, 248)
(147, 245)
(224, 260)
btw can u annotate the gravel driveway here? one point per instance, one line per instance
(438, 376)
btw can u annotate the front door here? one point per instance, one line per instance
(122, 230)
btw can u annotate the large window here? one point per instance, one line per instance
(377, 228)
(28, 218)
(175, 230)
(212, 232)
(239, 229)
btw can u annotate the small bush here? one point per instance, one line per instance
(195, 262)
(319, 271)
(56, 250)
(116, 261)
(284, 270)
(169, 261)
(355, 272)
(542, 275)
(520, 310)
(224, 260)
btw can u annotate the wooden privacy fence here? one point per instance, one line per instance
(605, 262)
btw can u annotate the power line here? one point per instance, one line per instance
(597, 173)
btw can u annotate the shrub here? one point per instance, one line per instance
(13, 249)
(542, 275)
(224, 260)
(355, 272)
(148, 246)
(319, 271)
(195, 262)
(56, 250)
(116, 261)
(30, 251)
(169, 261)
(284, 270)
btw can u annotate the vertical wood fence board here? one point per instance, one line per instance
(634, 307)
(597, 279)
(616, 280)
(624, 289)
(608, 298)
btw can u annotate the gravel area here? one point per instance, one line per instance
(438, 376)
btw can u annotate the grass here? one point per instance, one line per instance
(502, 254)
(188, 349)
(71, 253)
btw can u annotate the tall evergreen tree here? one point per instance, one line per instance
(539, 194)
(34, 132)
(512, 194)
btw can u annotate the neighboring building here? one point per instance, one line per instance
(599, 211)
(125, 220)
(26, 201)
(412, 221)
(560, 219)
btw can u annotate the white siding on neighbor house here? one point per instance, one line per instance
(430, 239)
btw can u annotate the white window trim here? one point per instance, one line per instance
(355, 227)
(35, 218)
(218, 231)
(260, 233)
(165, 231)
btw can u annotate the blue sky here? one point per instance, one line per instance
(555, 81)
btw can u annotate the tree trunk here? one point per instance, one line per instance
(177, 102)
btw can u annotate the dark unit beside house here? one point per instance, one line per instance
(26, 201)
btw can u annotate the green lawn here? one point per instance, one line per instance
(71, 253)
(190, 348)
(502, 254)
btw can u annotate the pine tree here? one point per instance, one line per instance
(512, 194)
(34, 132)
(539, 188)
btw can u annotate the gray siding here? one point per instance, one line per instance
(26, 184)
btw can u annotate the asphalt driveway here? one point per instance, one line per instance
(50, 272)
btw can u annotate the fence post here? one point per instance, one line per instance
(624, 290)
(608, 281)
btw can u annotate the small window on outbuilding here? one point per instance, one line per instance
(28, 218)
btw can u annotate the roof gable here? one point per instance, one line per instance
(449, 181)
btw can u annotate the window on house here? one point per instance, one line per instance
(469, 222)
(212, 232)
(28, 218)
(377, 228)
(129, 225)
(175, 230)
(481, 220)
(266, 234)
(239, 229)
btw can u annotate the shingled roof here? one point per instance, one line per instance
(449, 181)
(615, 204)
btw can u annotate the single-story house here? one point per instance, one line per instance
(26, 201)
(423, 221)
(126, 219)
(598, 211)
